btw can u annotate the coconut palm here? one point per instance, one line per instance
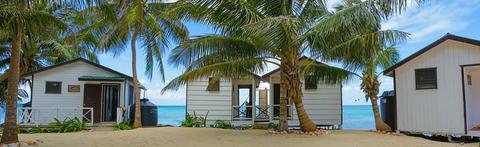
(367, 60)
(115, 23)
(30, 36)
(256, 32)
(18, 20)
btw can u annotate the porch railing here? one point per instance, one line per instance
(243, 112)
(28, 116)
(262, 113)
(276, 112)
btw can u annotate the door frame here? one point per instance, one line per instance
(100, 105)
(102, 112)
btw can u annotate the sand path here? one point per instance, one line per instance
(209, 137)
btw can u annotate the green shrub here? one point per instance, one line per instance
(222, 124)
(273, 126)
(127, 125)
(195, 121)
(68, 125)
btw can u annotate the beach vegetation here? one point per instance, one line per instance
(67, 125)
(222, 124)
(273, 126)
(126, 125)
(194, 121)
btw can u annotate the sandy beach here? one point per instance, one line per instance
(209, 137)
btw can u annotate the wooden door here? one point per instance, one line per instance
(92, 97)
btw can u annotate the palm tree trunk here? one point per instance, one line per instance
(295, 86)
(10, 130)
(379, 124)
(283, 119)
(370, 86)
(137, 122)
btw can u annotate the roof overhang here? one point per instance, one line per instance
(390, 71)
(100, 78)
(79, 60)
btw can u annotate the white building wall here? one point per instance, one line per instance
(67, 74)
(218, 104)
(323, 105)
(435, 110)
(472, 97)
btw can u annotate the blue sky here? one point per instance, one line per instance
(425, 23)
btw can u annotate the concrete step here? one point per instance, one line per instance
(104, 124)
(260, 125)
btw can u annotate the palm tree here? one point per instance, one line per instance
(114, 23)
(366, 60)
(280, 33)
(18, 20)
(365, 69)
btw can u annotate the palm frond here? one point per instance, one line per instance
(229, 69)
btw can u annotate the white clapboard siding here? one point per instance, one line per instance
(323, 105)
(218, 104)
(67, 74)
(434, 110)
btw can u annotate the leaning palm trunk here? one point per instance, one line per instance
(10, 130)
(137, 122)
(296, 94)
(370, 86)
(283, 119)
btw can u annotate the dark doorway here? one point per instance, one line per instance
(276, 101)
(111, 94)
(92, 98)
(245, 96)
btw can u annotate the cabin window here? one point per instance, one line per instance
(213, 85)
(310, 83)
(426, 78)
(53, 87)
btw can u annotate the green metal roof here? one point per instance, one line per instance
(100, 78)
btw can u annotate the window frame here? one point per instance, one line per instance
(213, 88)
(417, 82)
(53, 92)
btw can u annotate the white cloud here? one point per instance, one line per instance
(433, 18)
(154, 94)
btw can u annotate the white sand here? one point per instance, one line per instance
(209, 137)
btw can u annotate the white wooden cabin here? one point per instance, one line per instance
(437, 88)
(242, 102)
(77, 88)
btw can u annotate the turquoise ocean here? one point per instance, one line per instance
(355, 117)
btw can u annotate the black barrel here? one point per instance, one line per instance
(388, 108)
(149, 113)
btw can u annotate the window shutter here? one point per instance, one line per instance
(53, 87)
(426, 78)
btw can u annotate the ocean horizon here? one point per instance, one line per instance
(355, 117)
